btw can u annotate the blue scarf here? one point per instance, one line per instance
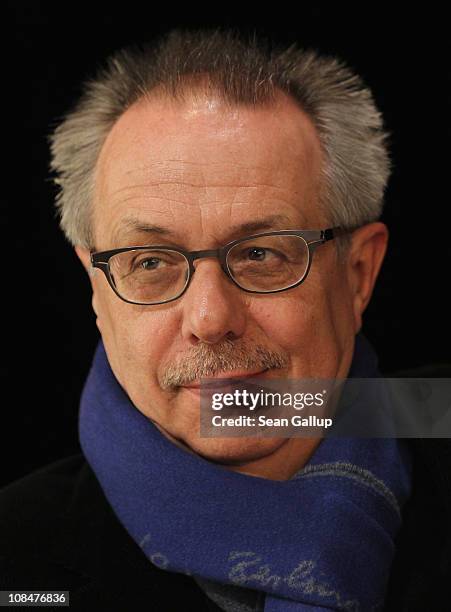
(322, 540)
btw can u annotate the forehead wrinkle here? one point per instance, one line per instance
(162, 199)
(188, 194)
(152, 174)
(204, 184)
(189, 162)
(130, 225)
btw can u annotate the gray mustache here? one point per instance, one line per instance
(204, 361)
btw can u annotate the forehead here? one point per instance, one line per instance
(201, 160)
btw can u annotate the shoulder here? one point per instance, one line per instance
(58, 477)
(32, 504)
(43, 514)
(58, 532)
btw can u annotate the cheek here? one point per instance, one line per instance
(145, 338)
(313, 324)
(286, 320)
(134, 341)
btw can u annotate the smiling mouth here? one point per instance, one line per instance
(227, 377)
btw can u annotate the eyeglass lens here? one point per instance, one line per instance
(268, 263)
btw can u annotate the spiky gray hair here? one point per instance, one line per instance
(242, 71)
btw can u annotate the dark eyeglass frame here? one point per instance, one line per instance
(312, 238)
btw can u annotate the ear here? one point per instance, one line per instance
(85, 258)
(365, 257)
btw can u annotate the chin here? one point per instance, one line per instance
(233, 451)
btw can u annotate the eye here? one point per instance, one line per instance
(257, 254)
(151, 263)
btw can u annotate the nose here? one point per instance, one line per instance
(213, 306)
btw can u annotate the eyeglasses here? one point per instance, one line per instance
(262, 263)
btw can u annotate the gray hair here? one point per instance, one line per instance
(350, 128)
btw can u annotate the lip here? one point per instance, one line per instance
(234, 374)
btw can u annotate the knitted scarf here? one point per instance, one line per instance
(322, 540)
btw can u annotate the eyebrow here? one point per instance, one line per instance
(132, 225)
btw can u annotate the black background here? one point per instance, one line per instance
(49, 332)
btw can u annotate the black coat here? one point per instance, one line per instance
(57, 531)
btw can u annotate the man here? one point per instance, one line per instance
(198, 178)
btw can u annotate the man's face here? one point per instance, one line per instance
(203, 171)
